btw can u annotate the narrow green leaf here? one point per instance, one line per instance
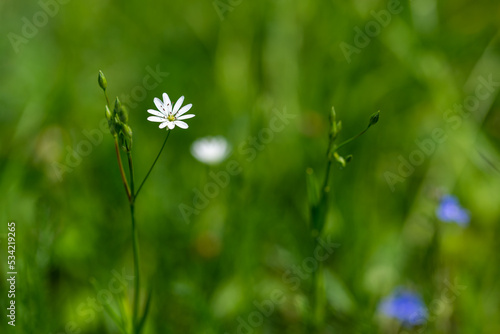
(119, 299)
(145, 314)
(116, 319)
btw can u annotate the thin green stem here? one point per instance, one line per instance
(154, 163)
(336, 148)
(325, 189)
(107, 100)
(122, 172)
(135, 245)
(131, 172)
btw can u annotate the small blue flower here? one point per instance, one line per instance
(449, 211)
(405, 306)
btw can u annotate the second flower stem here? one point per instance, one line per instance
(135, 243)
(132, 195)
(154, 163)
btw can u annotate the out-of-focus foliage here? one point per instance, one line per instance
(219, 272)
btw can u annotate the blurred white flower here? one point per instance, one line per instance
(168, 117)
(210, 150)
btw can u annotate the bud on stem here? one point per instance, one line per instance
(374, 118)
(121, 111)
(102, 80)
(108, 114)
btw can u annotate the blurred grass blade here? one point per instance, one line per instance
(145, 314)
(119, 299)
(337, 293)
(116, 319)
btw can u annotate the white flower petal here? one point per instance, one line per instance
(181, 124)
(184, 109)
(178, 104)
(159, 105)
(156, 119)
(166, 112)
(156, 113)
(167, 103)
(210, 150)
(185, 116)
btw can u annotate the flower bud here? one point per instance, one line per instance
(118, 105)
(112, 128)
(108, 114)
(333, 123)
(115, 126)
(121, 111)
(126, 137)
(374, 118)
(123, 114)
(122, 141)
(333, 116)
(127, 131)
(102, 80)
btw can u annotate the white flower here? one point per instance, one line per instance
(168, 117)
(210, 150)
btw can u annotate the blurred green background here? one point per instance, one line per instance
(237, 64)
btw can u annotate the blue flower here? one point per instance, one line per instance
(405, 306)
(449, 210)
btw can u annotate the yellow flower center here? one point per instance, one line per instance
(171, 118)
